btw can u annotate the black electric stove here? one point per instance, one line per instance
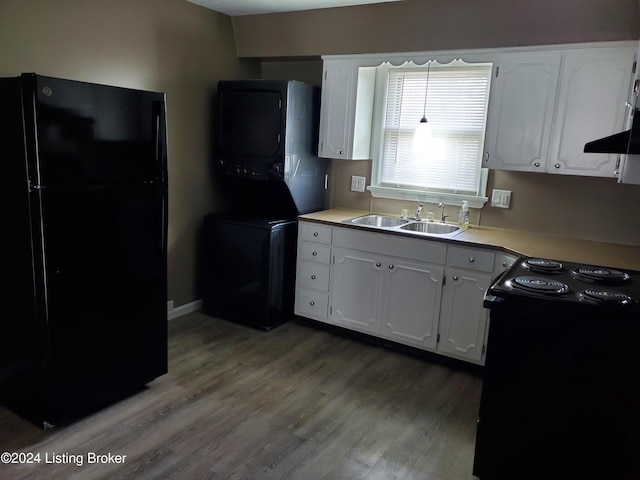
(561, 394)
(535, 280)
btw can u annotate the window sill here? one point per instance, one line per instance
(426, 197)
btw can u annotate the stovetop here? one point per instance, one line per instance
(551, 280)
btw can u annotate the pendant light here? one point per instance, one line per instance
(422, 135)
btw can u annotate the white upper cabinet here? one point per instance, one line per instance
(523, 94)
(545, 106)
(346, 110)
(594, 89)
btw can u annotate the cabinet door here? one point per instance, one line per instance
(337, 109)
(594, 88)
(462, 318)
(523, 94)
(356, 285)
(410, 303)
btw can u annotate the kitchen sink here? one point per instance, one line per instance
(377, 221)
(397, 224)
(430, 227)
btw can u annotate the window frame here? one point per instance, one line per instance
(377, 133)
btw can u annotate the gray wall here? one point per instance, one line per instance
(169, 45)
(417, 25)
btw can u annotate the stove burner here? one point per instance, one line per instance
(539, 284)
(592, 274)
(543, 265)
(608, 297)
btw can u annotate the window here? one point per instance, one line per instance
(457, 96)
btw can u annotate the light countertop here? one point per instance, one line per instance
(514, 241)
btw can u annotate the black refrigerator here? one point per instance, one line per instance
(83, 302)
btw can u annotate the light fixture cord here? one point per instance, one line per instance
(426, 92)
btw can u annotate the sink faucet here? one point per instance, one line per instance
(418, 210)
(443, 217)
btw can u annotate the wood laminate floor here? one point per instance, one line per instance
(298, 402)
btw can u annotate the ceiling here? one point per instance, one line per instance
(254, 7)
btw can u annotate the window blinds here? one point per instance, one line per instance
(456, 109)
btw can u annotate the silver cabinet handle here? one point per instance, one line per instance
(504, 264)
(315, 254)
(378, 264)
(557, 165)
(313, 277)
(312, 303)
(390, 267)
(315, 234)
(455, 278)
(537, 164)
(471, 259)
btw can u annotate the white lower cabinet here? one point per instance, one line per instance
(313, 271)
(387, 296)
(463, 319)
(356, 285)
(411, 303)
(418, 292)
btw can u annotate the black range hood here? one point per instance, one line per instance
(623, 142)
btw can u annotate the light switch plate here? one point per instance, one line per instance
(501, 198)
(357, 183)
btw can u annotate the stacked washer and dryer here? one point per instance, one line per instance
(266, 137)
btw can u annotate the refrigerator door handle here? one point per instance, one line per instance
(163, 224)
(159, 142)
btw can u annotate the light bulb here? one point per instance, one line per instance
(422, 136)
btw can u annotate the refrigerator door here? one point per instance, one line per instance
(92, 134)
(104, 274)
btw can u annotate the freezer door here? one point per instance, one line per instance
(105, 277)
(92, 134)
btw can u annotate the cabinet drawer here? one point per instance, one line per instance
(313, 276)
(313, 232)
(310, 303)
(471, 259)
(312, 252)
(503, 262)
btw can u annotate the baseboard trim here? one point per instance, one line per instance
(182, 309)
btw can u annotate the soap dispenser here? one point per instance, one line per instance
(464, 214)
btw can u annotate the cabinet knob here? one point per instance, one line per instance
(455, 278)
(313, 277)
(557, 165)
(315, 234)
(312, 303)
(315, 254)
(471, 259)
(378, 264)
(390, 267)
(537, 164)
(504, 264)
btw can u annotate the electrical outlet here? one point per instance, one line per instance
(357, 183)
(501, 198)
